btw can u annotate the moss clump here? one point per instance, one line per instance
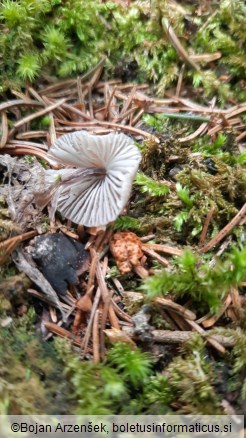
(29, 372)
(195, 279)
(52, 37)
(182, 183)
(124, 384)
(192, 379)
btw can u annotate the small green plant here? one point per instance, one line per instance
(134, 365)
(156, 122)
(195, 279)
(184, 194)
(182, 217)
(29, 66)
(123, 223)
(149, 186)
(209, 148)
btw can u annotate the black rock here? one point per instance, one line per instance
(59, 257)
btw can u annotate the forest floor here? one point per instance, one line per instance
(185, 212)
(153, 316)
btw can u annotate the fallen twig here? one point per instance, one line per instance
(63, 333)
(163, 248)
(211, 339)
(104, 291)
(225, 231)
(37, 277)
(9, 245)
(95, 338)
(38, 113)
(209, 322)
(179, 337)
(151, 252)
(177, 308)
(205, 227)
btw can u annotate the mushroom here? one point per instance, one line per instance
(97, 188)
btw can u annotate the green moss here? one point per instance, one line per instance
(29, 372)
(148, 185)
(64, 39)
(192, 379)
(124, 384)
(195, 279)
(123, 223)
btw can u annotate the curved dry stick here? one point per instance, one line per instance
(176, 44)
(123, 315)
(18, 239)
(226, 230)
(76, 111)
(129, 129)
(18, 102)
(175, 307)
(63, 333)
(60, 84)
(209, 322)
(200, 131)
(26, 144)
(86, 338)
(27, 151)
(151, 252)
(235, 112)
(31, 134)
(104, 291)
(38, 113)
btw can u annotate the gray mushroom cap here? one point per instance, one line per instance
(98, 189)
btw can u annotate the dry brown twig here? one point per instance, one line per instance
(163, 248)
(9, 245)
(225, 231)
(177, 308)
(151, 252)
(85, 340)
(179, 337)
(209, 322)
(205, 227)
(63, 333)
(95, 338)
(103, 322)
(213, 341)
(104, 291)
